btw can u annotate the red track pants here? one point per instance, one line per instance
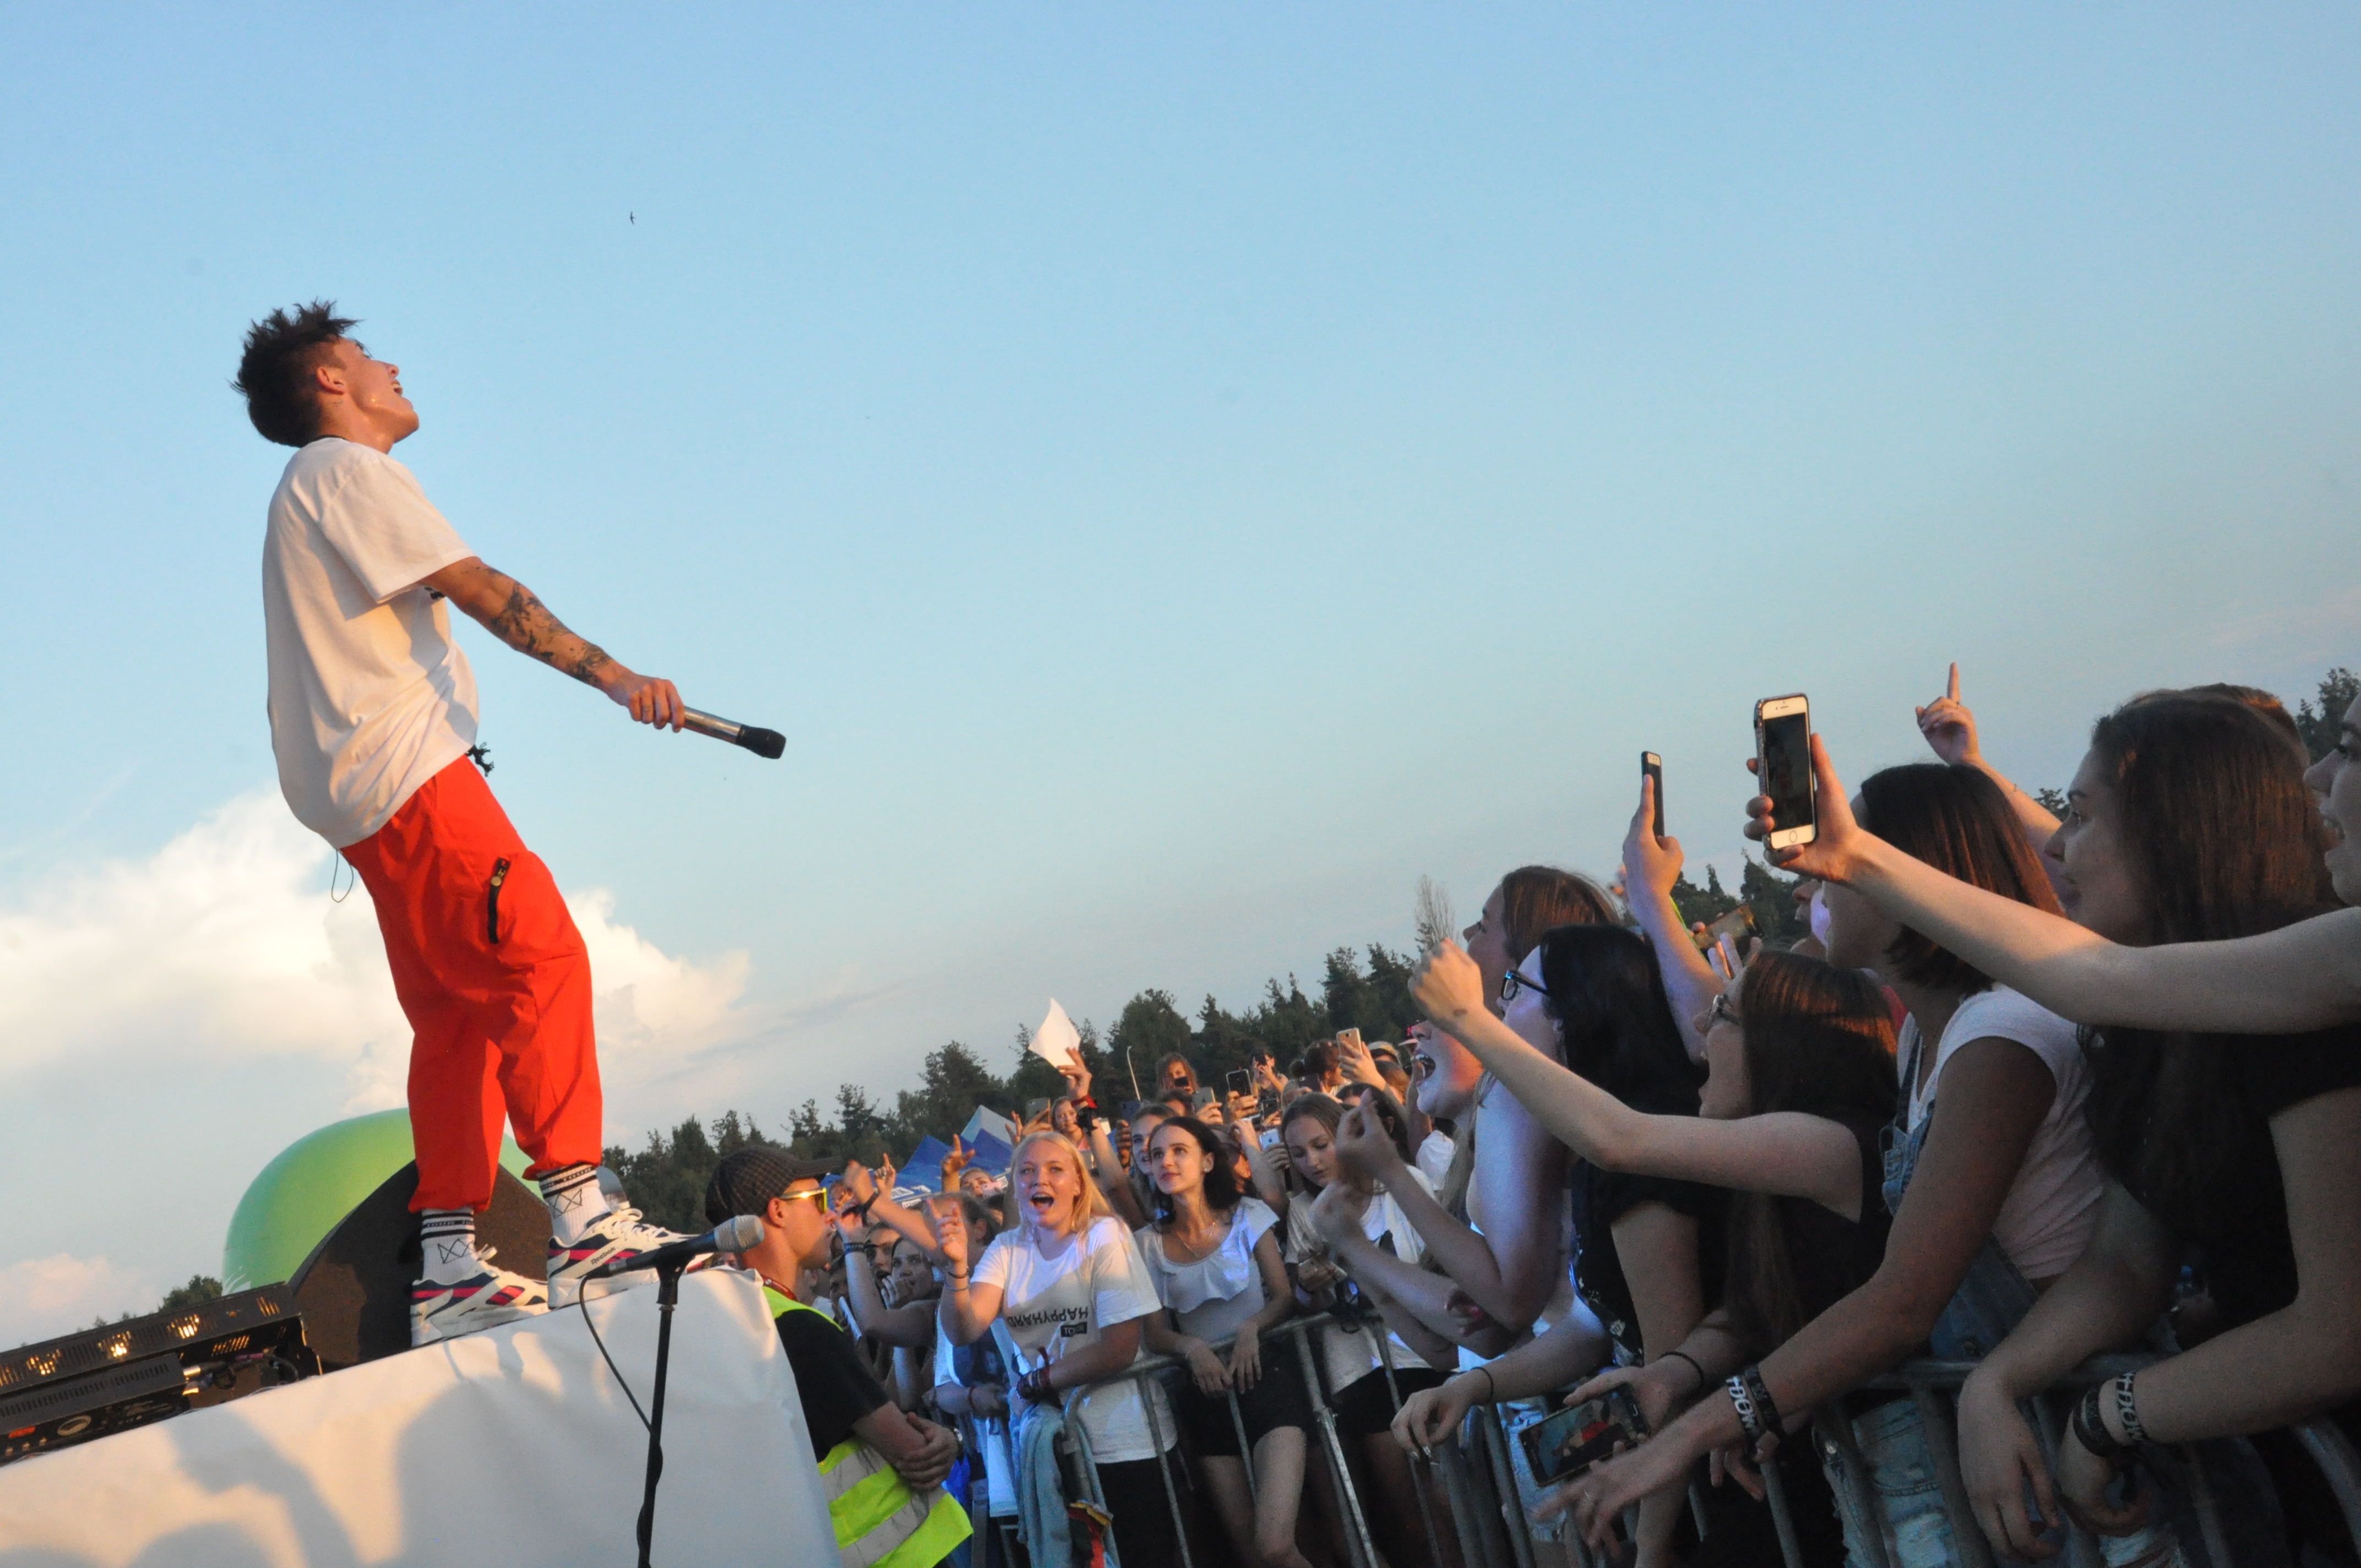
(496, 984)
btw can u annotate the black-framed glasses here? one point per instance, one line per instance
(1513, 982)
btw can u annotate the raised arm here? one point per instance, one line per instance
(968, 1307)
(1950, 728)
(2300, 976)
(1786, 1152)
(509, 611)
(1651, 867)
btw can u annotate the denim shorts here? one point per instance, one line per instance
(1908, 1491)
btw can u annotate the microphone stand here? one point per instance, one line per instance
(667, 1298)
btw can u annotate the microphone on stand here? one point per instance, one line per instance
(736, 1234)
(762, 742)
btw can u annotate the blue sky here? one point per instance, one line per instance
(1175, 479)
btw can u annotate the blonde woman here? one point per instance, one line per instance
(1070, 1287)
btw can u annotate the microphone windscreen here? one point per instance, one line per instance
(741, 1233)
(764, 742)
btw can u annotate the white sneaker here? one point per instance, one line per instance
(485, 1299)
(618, 1234)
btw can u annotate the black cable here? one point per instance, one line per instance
(618, 1371)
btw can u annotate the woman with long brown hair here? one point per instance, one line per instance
(2189, 822)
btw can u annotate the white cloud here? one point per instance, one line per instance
(181, 979)
(42, 1297)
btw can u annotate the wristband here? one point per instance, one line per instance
(2091, 1432)
(1764, 1407)
(1683, 1355)
(1741, 1400)
(1491, 1390)
(2127, 1412)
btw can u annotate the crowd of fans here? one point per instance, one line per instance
(2034, 1089)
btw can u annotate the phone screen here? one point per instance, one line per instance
(1240, 1081)
(1573, 1441)
(1787, 769)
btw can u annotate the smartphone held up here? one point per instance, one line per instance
(1783, 768)
(1651, 768)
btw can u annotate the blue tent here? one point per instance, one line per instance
(924, 1166)
(991, 1152)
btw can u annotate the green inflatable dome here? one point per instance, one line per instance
(321, 1178)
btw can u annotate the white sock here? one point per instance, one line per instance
(574, 1199)
(448, 1236)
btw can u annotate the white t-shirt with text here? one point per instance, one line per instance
(370, 696)
(1054, 1305)
(2053, 1205)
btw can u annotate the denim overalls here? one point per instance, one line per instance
(1991, 1301)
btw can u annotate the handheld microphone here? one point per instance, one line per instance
(762, 742)
(730, 1235)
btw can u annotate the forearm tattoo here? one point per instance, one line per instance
(525, 624)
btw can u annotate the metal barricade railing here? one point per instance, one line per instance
(1486, 1521)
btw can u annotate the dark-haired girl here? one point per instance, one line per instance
(1799, 1084)
(1651, 1250)
(1212, 1253)
(2188, 821)
(1369, 1361)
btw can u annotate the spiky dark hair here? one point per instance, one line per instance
(274, 374)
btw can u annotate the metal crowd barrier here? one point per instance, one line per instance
(1487, 1523)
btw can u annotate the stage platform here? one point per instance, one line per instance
(514, 1446)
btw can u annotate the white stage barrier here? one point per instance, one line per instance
(514, 1446)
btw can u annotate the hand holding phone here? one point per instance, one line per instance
(1573, 1441)
(1783, 768)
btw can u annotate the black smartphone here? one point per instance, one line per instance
(1573, 1441)
(1129, 1109)
(1266, 1103)
(1651, 768)
(1240, 1080)
(1783, 767)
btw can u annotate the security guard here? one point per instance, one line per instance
(883, 1470)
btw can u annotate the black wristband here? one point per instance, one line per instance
(1741, 1400)
(2091, 1432)
(1683, 1355)
(1767, 1411)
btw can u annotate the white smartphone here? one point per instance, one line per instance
(1783, 763)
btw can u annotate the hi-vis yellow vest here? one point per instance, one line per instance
(879, 1522)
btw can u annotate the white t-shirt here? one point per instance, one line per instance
(2053, 1205)
(1054, 1305)
(1435, 1157)
(1350, 1356)
(369, 697)
(1222, 1290)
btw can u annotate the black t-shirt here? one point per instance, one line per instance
(1834, 1256)
(836, 1389)
(2242, 1232)
(1600, 1198)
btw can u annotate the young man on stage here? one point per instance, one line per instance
(372, 717)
